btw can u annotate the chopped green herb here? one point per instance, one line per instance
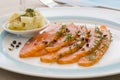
(96, 41)
(63, 27)
(100, 36)
(91, 57)
(97, 30)
(78, 46)
(70, 49)
(105, 45)
(29, 12)
(78, 33)
(102, 50)
(68, 37)
(58, 33)
(60, 55)
(110, 36)
(88, 34)
(51, 43)
(94, 53)
(61, 31)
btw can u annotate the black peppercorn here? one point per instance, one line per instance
(17, 46)
(14, 42)
(11, 45)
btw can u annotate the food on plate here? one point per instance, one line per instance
(30, 19)
(77, 41)
(92, 43)
(95, 56)
(37, 43)
(68, 43)
(69, 34)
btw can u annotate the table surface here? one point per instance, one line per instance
(14, 6)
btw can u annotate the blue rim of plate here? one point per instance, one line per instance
(23, 68)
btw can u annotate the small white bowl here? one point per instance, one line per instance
(25, 33)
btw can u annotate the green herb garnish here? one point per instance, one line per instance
(96, 41)
(29, 12)
(60, 55)
(88, 34)
(97, 30)
(58, 33)
(70, 50)
(94, 53)
(78, 46)
(91, 57)
(61, 31)
(110, 36)
(63, 27)
(68, 37)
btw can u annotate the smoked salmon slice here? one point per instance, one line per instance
(91, 45)
(71, 34)
(78, 43)
(36, 45)
(56, 44)
(33, 45)
(68, 43)
(97, 54)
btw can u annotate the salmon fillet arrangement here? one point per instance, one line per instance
(68, 43)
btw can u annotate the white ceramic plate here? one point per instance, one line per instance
(108, 65)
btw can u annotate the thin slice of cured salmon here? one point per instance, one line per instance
(55, 45)
(78, 43)
(33, 45)
(97, 54)
(92, 44)
(63, 41)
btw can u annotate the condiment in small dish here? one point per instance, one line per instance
(26, 24)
